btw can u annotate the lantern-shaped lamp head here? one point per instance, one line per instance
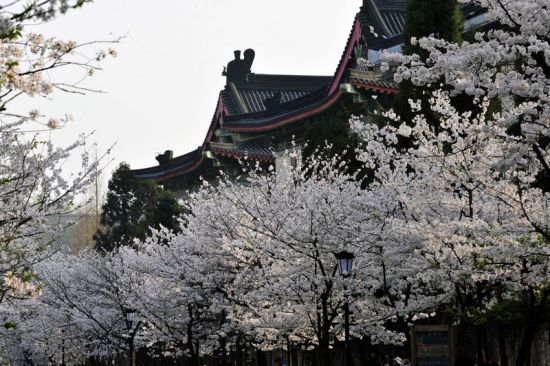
(130, 315)
(345, 262)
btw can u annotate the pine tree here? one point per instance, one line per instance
(332, 136)
(132, 208)
(438, 18)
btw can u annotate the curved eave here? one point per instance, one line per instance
(241, 155)
(353, 38)
(216, 119)
(172, 173)
(178, 172)
(327, 103)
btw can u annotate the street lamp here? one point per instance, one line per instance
(345, 265)
(345, 262)
(130, 318)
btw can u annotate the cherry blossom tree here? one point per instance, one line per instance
(82, 312)
(184, 310)
(35, 331)
(16, 12)
(35, 193)
(458, 219)
(474, 192)
(269, 244)
(96, 292)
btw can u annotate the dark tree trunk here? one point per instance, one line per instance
(223, 356)
(324, 351)
(288, 352)
(193, 352)
(535, 313)
(239, 352)
(502, 346)
(260, 358)
(324, 342)
(481, 339)
(524, 354)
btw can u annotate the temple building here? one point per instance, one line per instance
(259, 116)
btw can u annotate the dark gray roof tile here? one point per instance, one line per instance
(249, 97)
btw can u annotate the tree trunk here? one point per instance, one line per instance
(480, 342)
(524, 354)
(536, 310)
(239, 352)
(288, 352)
(503, 351)
(194, 361)
(324, 342)
(260, 358)
(502, 346)
(223, 356)
(324, 351)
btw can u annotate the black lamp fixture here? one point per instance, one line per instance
(130, 316)
(345, 262)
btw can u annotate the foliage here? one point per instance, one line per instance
(15, 13)
(131, 208)
(332, 136)
(440, 19)
(459, 219)
(35, 194)
(474, 188)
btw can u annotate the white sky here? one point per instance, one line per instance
(163, 86)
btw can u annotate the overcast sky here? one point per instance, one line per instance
(162, 89)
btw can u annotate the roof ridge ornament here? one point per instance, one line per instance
(237, 69)
(165, 158)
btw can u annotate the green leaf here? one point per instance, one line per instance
(10, 325)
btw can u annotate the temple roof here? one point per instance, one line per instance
(255, 103)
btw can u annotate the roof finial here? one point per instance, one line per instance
(165, 158)
(238, 69)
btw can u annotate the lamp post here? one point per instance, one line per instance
(345, 265)
(63, 347)
(130, 318)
